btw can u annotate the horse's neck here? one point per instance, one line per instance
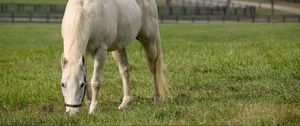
(75, 45)
(75, 33)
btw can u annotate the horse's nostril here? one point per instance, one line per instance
(66, 112)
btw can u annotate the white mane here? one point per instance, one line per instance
(76, 36)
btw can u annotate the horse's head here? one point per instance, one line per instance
(73, 83)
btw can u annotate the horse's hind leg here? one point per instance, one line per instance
(121, 57)
(153, 51)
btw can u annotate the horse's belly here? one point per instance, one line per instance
(118, 46)
(117, 26)
(122, 41)
(128, 26)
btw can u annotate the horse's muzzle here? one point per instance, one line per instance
(71, 111)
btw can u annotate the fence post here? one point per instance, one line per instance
(12, 17)
(223, 18)
(238, 18)
(176, 18)
(235, 11)
(37, 7)
(250, 10)
(53, 8)
(245, 10)
(208, 19)
(30, 17)
(196, 10)
(168, 7)
(224, 11)
(184, 10)
(162, 19)
(269, 19)
(47, 18)
(283, 18)
(2, 8)
(207, 10)
(253, 19)
(272, 7)
(22, 7)
(199, 10)
(298, 18)
(18, 8)
(50, 8)
(5, 7)
(34, 8)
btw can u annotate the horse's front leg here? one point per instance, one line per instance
(99, 60)
(121, 57)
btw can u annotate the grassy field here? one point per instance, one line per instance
(219, 74)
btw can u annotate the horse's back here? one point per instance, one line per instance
(113, 24)
(133, 17)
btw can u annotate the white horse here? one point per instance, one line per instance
(98, 26)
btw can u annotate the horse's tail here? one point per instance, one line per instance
(162, 85)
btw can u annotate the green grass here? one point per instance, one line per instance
(219, 73)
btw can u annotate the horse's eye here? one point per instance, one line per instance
(62, 84)
(81, 85)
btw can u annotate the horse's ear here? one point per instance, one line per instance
(63, 61)
(83, 59)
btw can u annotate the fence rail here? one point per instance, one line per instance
(207, 10)
(31, 8)
(54, 12)
(253, 19)
(186, 10)
(51, 18)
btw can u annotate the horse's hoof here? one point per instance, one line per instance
(93, 107)
(126, 102)
(158, 101)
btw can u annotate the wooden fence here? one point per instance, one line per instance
(184, 10)
(290, 1)
(208, 19)
(207, 10)
(53, 13)
(31, 8)
(165, 19)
